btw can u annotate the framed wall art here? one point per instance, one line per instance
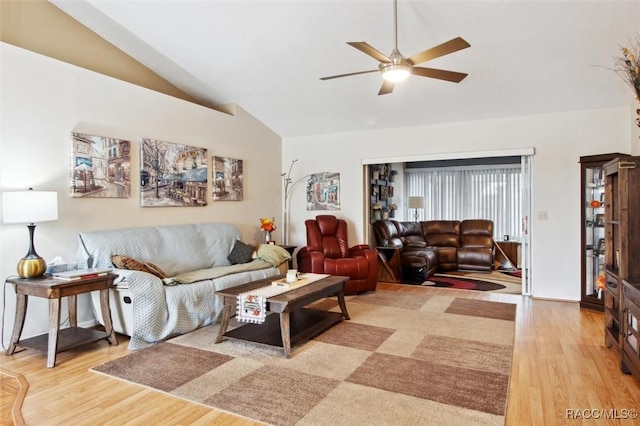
(100, 167)
(323, 191)
(227, 179)
(172, 175)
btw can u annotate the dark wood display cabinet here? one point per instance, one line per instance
(592, 241)
(622, 266)
(631, 327)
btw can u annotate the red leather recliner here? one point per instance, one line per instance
(328, 252)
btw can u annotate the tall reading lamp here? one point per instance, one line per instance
(30, 207)
(416, 203)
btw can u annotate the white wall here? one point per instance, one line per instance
(559, 140)
(44, 100)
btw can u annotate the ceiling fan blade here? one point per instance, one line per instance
(347, 75)
(367, 49)
(442, 49)
(387, 87)
(455, 77)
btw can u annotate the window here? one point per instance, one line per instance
(470, 192)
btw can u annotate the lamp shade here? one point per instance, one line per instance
(416, 202)
(29, 206)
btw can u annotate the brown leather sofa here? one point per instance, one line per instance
(439, 245)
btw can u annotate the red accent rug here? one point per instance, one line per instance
(517, 273)
(496, 281)
(461, 283)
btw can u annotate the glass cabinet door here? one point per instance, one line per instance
(593, 230)
(594, 234)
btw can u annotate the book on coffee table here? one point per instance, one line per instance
(80, 274)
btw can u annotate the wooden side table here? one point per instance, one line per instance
(57, 340)
(390, 264)
(507, 254)
(290, 249)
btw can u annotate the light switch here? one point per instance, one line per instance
(543, 215)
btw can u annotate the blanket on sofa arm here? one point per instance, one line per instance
(161, 311)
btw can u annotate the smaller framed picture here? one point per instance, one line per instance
(600, 219)
(384, 193)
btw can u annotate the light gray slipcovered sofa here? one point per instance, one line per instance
(149, 309)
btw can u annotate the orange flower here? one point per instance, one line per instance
(601, 281)
(267, 225)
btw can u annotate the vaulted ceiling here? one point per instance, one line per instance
(526, 57)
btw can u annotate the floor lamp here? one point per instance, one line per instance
(416, 203)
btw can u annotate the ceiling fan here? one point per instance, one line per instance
(396, 68)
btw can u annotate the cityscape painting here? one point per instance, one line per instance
(100, 167)
(227, 179)
(323, 191)
(172, 175)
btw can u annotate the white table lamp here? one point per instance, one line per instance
(30, 207)
(416, 203)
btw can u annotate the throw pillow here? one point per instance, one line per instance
(125, 262)
(241, 253)
(273, 254)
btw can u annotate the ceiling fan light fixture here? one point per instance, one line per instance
(395, 73)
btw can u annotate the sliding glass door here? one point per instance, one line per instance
(501, 193)
(526, 180)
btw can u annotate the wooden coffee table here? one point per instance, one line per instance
(295, 324)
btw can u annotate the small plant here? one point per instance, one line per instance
(627, 66)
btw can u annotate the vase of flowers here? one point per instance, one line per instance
(392, 210)
(377, 211)
(267, 226)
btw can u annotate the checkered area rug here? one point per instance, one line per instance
(401, 359)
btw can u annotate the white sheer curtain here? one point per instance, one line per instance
(469, 193)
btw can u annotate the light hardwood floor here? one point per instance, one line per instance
(560, 363)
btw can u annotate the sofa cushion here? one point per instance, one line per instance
(125, 262)
(476, 233)
(447, 258)
(442, 233)
(475, 259)
(411, 234)
(241, 253)
(387, 233)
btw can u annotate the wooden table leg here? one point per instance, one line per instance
(285, 332)
(343, 305)
(54, 327)
(106, 316)
(226, 315)
(73, 310)
(21, 311)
